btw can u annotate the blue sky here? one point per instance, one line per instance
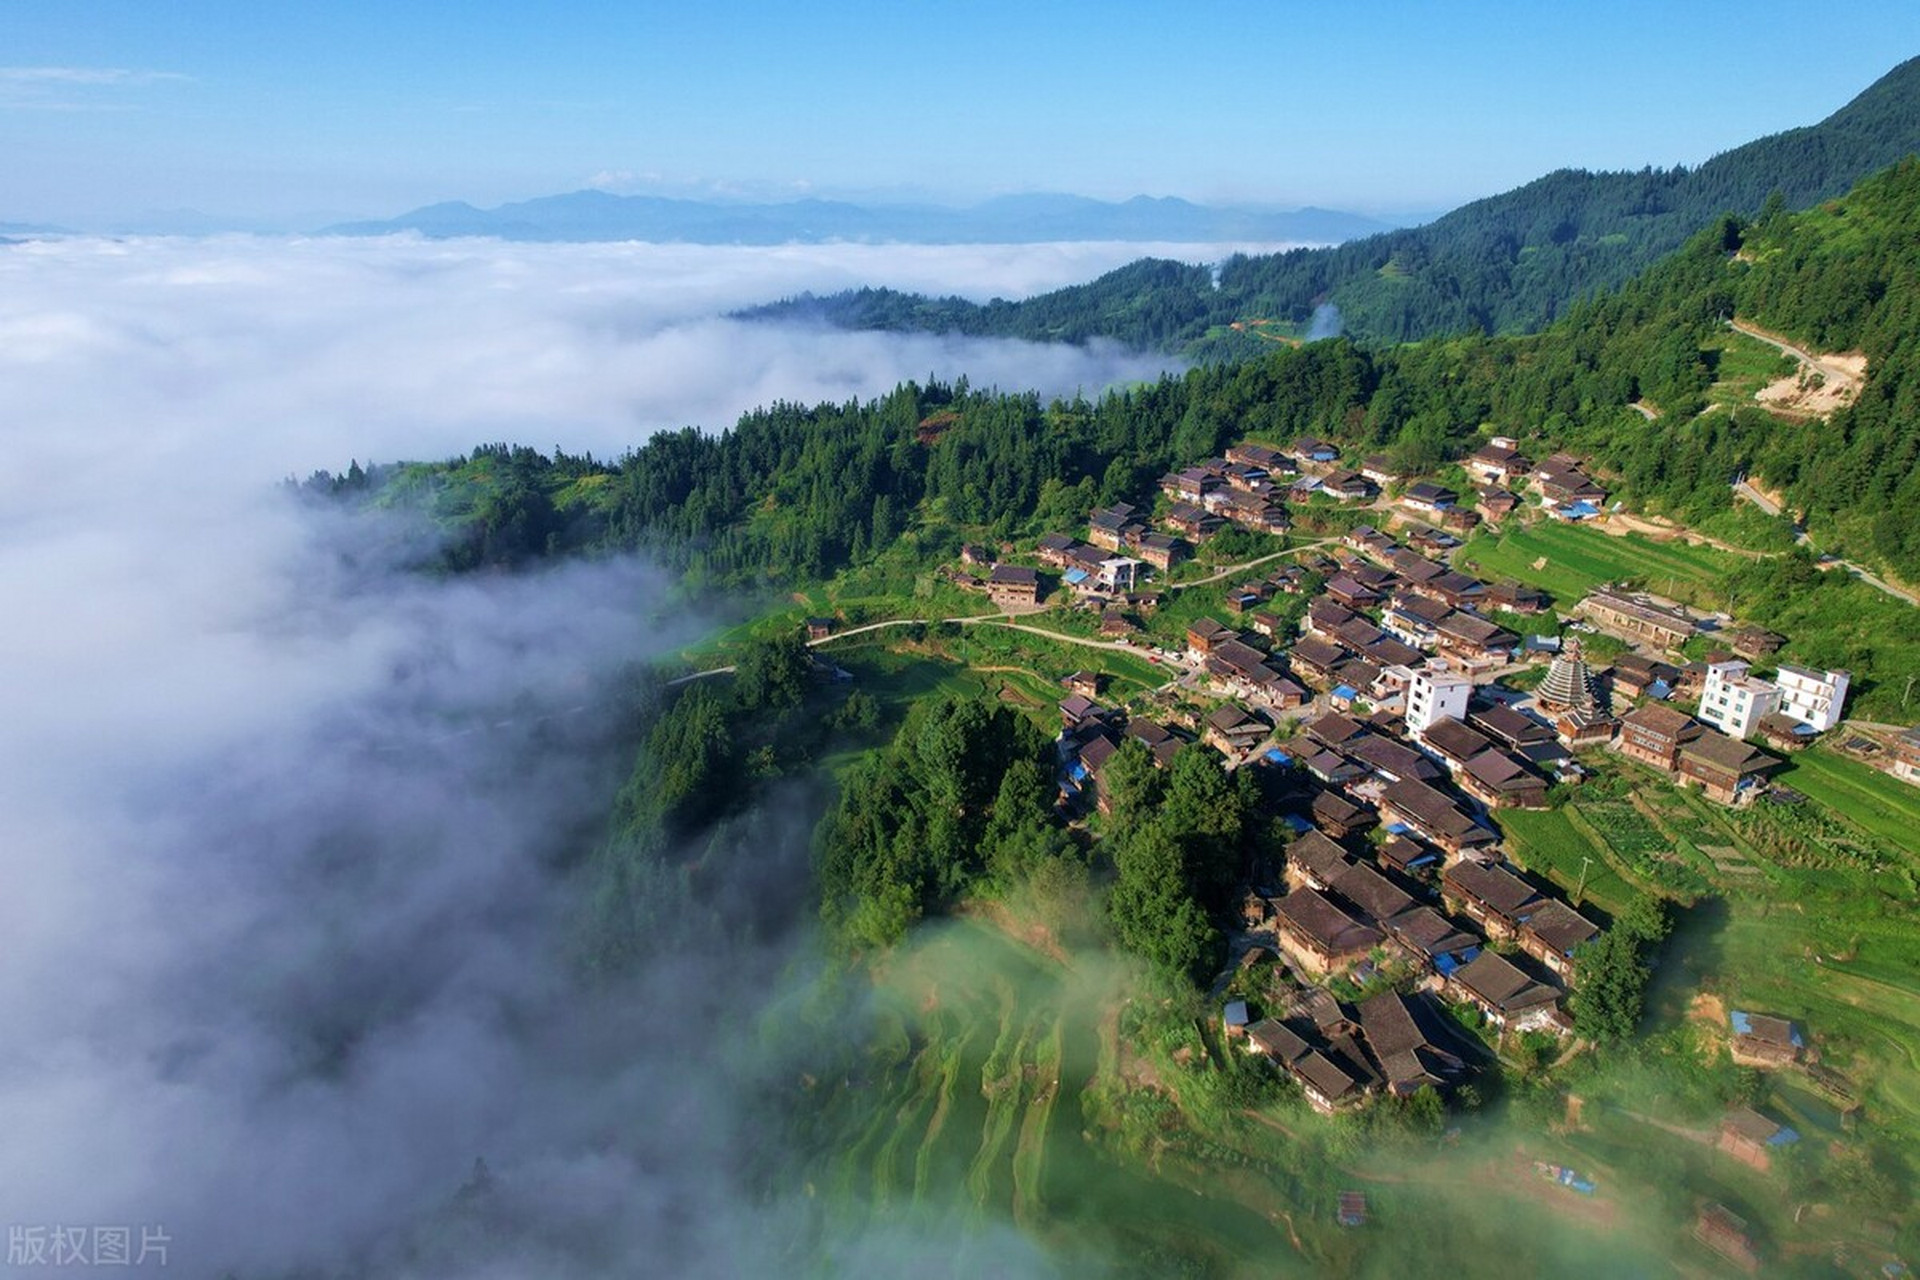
(281, 110)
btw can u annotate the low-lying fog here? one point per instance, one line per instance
(283, 946)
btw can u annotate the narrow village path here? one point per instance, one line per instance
(1233, 569)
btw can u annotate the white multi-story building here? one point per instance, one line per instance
(1735, 702)
(1814, 698)
(1436, 693)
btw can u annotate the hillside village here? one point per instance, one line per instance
(1392, 706)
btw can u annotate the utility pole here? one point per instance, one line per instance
(1907, 694)
(1580, 891)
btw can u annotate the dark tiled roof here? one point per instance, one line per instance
(1318, 856)
(1434, 811)
(1388, 756)
(1333, 729)
(1331, 1081)
(1313, 915)
(1491, 884)
(1660, 720)
(1431, 933)
(1512, 727)
(1503, 772)
(1277, 1039)
(1454, 740)
(1498, 982)
(1559, 926)
(1372, 892)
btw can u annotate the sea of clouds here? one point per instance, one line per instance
(283, 829)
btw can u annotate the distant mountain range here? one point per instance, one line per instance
(1021, 219)
(1509, 263)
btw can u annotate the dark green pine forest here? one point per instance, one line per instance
(1512, 263)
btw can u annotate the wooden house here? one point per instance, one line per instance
(1315, 862)
(1338, 816)
(1160, 550)
(1454, 742)
(1320, 936)
(1348, 486)
(1379, 469)
(1432, 940)
(1501, 780)
(1752, 1139)
(1376, 898)
(1495, 464)
(1191, 485)
(1080, 713)
(1427, 498)
(1087, 683)
(1204, 633)
(1760, 1040)
(1408, 857)
(1553, 933)
(1509, 997)
(1161, 742)
(1234, 730)
(1434, 817)
(1637, 618)
(1326, 1085)
(1410, 1056)
(1509, 596)
(1491, 895)
(1495, 504)
(1013, 585)
(1054, 548)
(1727, 770)
(1250, 454)
(1654, 734)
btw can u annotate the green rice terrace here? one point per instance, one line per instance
(1015, 1080)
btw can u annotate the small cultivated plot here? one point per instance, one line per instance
(1569, 561)
(1547, 842)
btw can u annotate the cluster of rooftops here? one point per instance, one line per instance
(1403, 752)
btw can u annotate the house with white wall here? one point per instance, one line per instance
(1814, 698)
(1735, 702)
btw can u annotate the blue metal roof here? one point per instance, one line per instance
(1278, 756)
(1346, 691)
(1074, 577)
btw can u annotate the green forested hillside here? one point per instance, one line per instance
(792, 492)
(1508, 264)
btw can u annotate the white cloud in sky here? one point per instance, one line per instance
(77, 88)
(86, 76)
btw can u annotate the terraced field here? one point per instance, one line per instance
(1568, 561)
(1869, 798)
(972, 1116)
(970, 1121)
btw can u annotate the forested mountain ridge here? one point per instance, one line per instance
(1019, 219)
(1510, 263)
(793, 492)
